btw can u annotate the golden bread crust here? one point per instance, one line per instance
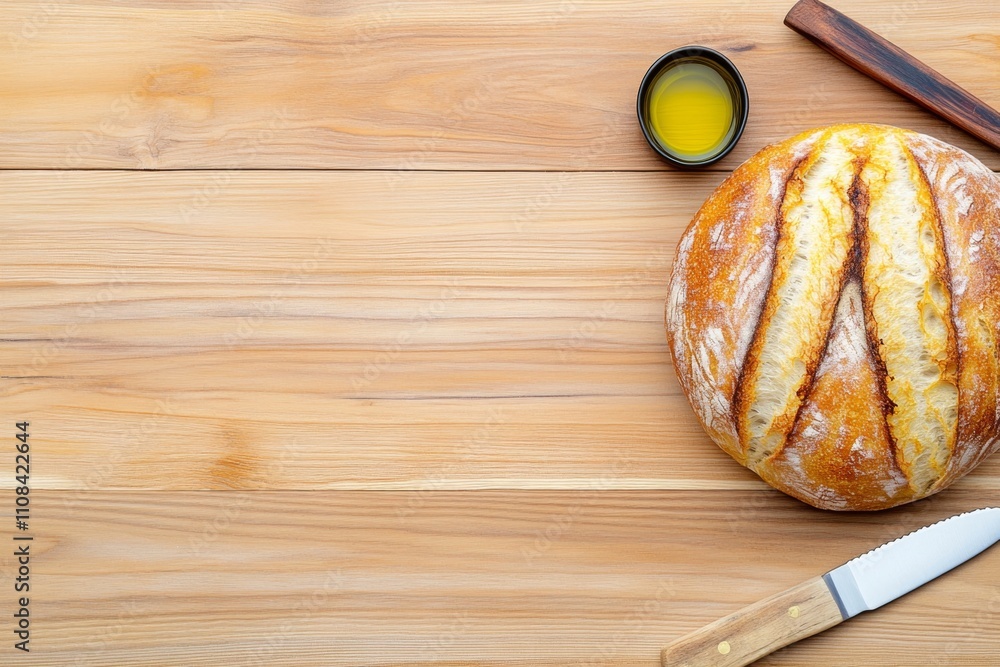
(833, 314)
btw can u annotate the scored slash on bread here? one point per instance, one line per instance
(833, 315)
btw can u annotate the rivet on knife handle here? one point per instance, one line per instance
(759, 629)
(890, 65)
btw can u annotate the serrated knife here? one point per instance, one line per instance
(865, 583)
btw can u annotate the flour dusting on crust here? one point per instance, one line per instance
(839, 453)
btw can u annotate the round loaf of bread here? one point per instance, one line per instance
(833, 315)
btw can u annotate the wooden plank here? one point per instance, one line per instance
(443, 85)
(473, 578)
(341, 330)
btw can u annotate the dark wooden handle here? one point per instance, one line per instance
(888, 64)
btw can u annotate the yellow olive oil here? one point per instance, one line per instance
(691, 109)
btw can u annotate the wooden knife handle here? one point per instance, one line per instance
(759, 629)
(890, 65)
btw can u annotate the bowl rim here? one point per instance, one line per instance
(678, 54)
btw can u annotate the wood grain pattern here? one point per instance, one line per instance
(885, 62)
(444, 85)
(758, 629)
(406, 417)
(342, 330)
(484, 578)
(349, 330)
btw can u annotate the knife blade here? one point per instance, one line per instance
(861, 584)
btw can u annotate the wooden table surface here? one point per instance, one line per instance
(339, 329)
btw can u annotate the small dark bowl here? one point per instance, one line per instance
(737, 88)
